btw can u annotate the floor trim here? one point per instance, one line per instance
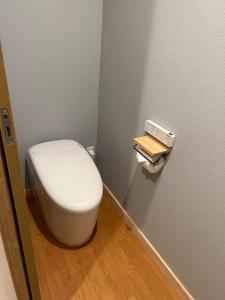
(150, 249)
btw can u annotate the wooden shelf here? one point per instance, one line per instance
(151, 146)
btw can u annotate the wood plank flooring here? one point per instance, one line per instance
(113, 265)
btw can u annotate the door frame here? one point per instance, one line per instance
(9, 234)
(18, 200)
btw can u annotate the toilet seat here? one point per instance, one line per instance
(68, 175)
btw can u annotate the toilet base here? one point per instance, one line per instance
(69, 228)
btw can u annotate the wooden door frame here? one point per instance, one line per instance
(9, 233)
(16, 186)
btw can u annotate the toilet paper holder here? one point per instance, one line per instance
(151, 153)
(153, 147)
(146, 156)
(151, 164)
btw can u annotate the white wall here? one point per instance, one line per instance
(165, 60)
(7, 290)
(52, 53)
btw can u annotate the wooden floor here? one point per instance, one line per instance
(113, 265)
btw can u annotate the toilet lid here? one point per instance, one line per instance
(68, 174)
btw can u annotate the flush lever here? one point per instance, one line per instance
(6, 124)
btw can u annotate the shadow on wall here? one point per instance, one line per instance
(124, 60)
(132, 200)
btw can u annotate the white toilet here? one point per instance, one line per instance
(69, 188)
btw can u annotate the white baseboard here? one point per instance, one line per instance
(150, 249)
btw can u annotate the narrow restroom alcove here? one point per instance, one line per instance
(93, 74)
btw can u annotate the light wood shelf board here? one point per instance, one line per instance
(151, 146)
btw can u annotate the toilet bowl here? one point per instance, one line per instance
(68, 187)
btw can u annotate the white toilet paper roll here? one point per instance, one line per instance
(140, 158)
(152, 168)
(156, 167)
